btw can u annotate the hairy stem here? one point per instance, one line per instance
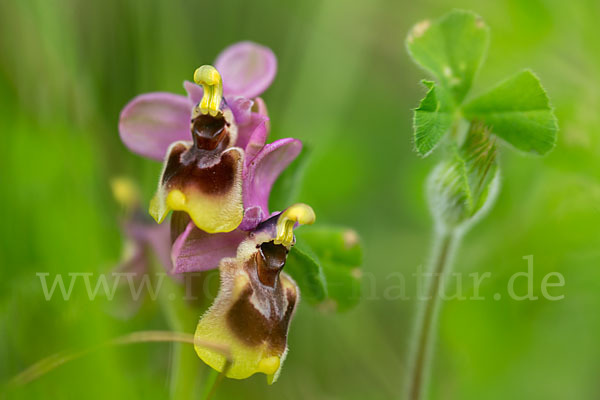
(427, 314)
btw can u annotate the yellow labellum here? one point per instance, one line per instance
(211, 214)
(246, 360)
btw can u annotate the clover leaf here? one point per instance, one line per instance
(432, 119)
(517, 110)
(451, 48)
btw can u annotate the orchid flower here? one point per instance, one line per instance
(203, 177)
(256, 300)
(197, 250)
(151, 122)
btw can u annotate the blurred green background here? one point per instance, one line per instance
(345, 86)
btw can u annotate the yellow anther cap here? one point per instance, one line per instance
(211, 81)
(298, 213)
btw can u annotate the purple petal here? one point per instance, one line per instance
(194, 92)
(264, 169)
(144, 240)
(241, 108)
(160, 240)
(151, 122)
(136, 261)
(254, 138)
(252, 217)
(136, 264)
(253, 134)
(247, 69)
(260, 106)
(156, 236)
(196, 250)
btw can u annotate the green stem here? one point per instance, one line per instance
(427, 314)
(180, 318)
(210, 386)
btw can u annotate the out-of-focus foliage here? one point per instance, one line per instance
(304, 266)
(67, 67)
(339, 253)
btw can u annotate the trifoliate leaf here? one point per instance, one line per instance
(304, 266)
(451, 48)
(518, 111)
(463, 186)
(432, 119)
(340, 254)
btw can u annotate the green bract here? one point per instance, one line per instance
(451, 49)
(464, 185)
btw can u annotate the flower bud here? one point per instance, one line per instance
(462, 187)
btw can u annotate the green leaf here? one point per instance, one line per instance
(432, 119)
(462, 187)
(518, 110)
(304, 266)
(340, 254)
(451, 48)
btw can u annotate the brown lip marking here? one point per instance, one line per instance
(270, 259)
(209, 132)
(253, 327)
(184, 171)
(173, 162)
